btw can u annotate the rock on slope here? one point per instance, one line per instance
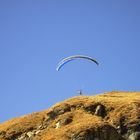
(108, 116)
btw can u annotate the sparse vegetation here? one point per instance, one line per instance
(108, 116)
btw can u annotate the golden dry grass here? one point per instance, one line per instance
(117, 104)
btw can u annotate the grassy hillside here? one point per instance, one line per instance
(108, 116)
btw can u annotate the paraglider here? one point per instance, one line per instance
(70, 58)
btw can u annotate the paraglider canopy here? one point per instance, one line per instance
(70, 58)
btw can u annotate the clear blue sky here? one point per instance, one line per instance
(36, 34)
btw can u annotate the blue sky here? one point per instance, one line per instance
(36, 34)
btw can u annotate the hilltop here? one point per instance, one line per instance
(108, 116)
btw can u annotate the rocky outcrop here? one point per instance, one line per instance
(108, 116)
